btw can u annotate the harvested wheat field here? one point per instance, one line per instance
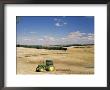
(71, 61)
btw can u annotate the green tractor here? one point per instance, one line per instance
(46, 66)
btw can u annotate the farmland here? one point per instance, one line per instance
(75, 60)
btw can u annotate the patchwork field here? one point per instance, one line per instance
(71, 61)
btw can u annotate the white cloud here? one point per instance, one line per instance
(64, 23)
(58, 24)
(77, 34)
(80, 38)
(90, 36)
(76, 37)
(63, 38)
(49, 38)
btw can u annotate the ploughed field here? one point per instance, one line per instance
(71, 61)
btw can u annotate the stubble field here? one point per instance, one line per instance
(72, 61)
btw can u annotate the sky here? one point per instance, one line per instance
(54, 30)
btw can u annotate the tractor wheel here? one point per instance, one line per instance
(50, 68)
(41, 70)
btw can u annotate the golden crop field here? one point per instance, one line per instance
(72, 61)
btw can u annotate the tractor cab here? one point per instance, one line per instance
(49, 62)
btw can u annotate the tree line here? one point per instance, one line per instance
(43, 47)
